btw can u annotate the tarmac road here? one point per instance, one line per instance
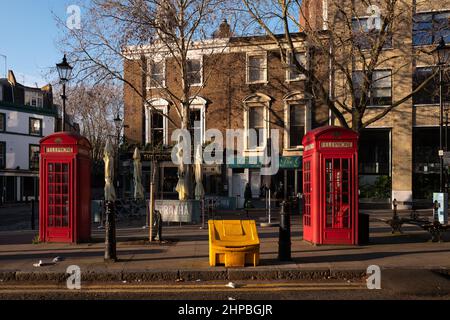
(396, 284)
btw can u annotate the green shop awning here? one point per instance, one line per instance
(255, 163)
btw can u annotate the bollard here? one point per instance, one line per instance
(284, 244)
(32, 215)
(394, 215)
(436, 211)
(110, 237)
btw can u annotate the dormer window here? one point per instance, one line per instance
(34, 99)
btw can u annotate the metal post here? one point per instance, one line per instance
(394, 215)
(441, 125)
(152, 197)
(110, 237)
(117, 168)
(32, 215)
(446, 131)
(270, 207)
(63, 116)
(284, 244)
(202, 203)
(446, 149)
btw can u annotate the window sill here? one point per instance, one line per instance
(259, 82)
(196, 85)
(295, 80)
(426, 105)
(295, 148)
(153, 88)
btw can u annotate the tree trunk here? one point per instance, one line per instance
(152, 198)
(187, 167)
(356, 120)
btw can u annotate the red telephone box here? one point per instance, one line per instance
(330, 186)
(65, 188)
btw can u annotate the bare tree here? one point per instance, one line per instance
(115, 32)
(355, 48)
(94, 108)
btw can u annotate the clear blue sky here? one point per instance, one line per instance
(28, 37)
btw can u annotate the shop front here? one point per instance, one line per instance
(286, 183)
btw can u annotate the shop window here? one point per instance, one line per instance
(34, 151)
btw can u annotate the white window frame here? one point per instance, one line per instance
(41, 126)
(200, 58)
(291, 65)
(247, 67)
(151, 84)
(325, 14)
(260, 100)
(291, 99)
(160, 105)
(37, 96)
(199, 103)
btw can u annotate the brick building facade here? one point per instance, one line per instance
(398, 152)
(225, 97)
(403, 146)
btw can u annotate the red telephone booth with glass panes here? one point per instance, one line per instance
(330, 186)
(65, 188)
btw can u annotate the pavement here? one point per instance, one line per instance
(184, 256)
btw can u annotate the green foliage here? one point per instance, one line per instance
(381, 189)
(36, 240)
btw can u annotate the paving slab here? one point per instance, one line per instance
(185, 255)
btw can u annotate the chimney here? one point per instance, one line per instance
(224, 30)
(12, 78)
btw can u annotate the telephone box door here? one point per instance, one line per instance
(338, 200)
(59, 222)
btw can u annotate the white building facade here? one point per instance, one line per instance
(22, 129)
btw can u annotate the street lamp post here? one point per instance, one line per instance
(441, 54)
(118, 124)
(64, 71)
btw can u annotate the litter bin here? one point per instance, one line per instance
(363, 228)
